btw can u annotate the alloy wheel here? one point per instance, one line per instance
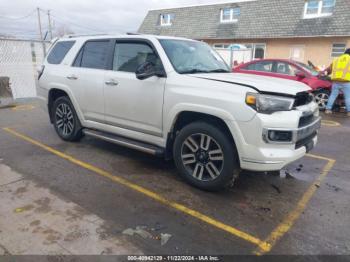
(64, 119)
(322, 99)
(202, 157)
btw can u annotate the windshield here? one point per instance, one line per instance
(191, 57)
(308, 69)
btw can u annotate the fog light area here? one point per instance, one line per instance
(280, 136)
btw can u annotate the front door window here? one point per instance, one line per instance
(128, 56)
(285, 69)
(261, 66)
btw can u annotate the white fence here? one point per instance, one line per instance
(19, 60)
(235, 56)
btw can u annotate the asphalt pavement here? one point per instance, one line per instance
(120, 201)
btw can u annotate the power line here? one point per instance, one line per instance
(18, 30)
(62, 22)
(75, 24)
(40, 31)
(18, 18)
(50, 26)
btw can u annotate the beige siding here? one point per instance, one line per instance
(318, 50)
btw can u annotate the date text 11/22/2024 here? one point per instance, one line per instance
(173, 258)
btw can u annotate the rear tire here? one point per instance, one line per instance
(65, 120)
(205, 157)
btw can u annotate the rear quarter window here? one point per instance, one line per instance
(59, 51)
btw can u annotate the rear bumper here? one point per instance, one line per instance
(42, 102)
(42, 98)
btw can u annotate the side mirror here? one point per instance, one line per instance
(147, 70)
(300, 74)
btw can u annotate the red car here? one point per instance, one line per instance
(293, 70)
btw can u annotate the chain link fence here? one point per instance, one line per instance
(19, 60)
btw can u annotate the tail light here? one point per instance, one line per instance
(40, 71)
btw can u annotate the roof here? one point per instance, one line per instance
(196, 5)
(258, 19)
(113, 36)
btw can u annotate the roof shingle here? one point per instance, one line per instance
(258, 19)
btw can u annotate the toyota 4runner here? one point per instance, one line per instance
(176, 98)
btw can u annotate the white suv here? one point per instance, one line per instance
(177, 98)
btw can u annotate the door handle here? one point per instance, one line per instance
(111, 82)
(72, 77)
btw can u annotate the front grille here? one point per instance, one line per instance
(305, 141)
(302, 98)
(306, 120)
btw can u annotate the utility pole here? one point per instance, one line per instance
(50, 27)
(40, 31)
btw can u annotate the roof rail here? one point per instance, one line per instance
(133, 33)
(73, 36)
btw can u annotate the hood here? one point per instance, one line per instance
(324, 78)
(263, 84)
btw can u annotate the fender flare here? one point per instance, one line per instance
(71, 97)
(171, 118)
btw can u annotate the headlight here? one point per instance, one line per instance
(268, 104)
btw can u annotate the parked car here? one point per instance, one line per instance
(177, 98)
(293, 70)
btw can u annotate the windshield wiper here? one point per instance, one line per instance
(219, 71)
(199, 71)
(194, 71)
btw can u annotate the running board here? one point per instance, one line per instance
(122, 141)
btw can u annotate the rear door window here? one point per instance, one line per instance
(93, 55)
(59, 51)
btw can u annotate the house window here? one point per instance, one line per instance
(338, 49)
(318, 8)
(328, 6)
(259, 51)
(230, 15)
(221, 46)
(297, 53)
(166, 19)
(218, 46)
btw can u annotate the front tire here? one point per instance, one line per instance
(65, 120)
(321, 97)
(205, 156)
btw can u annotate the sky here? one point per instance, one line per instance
(19, 17)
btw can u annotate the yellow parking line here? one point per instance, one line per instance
(264, 246)
(13, 126)
(330, 123)
(7, 106)
(23, 107)
(321, 157)
(292, 217)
